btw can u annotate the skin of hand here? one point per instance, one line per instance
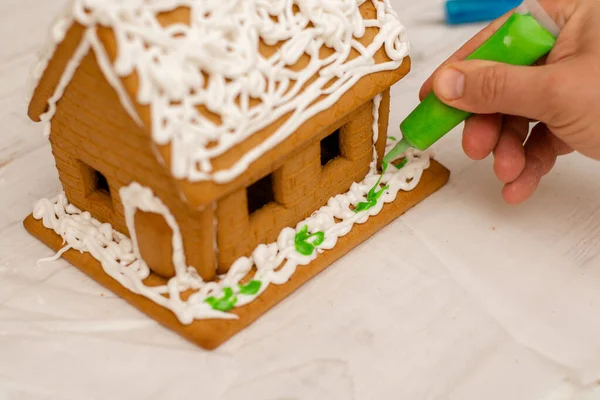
(562, 92)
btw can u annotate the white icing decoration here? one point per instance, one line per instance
(375, 128)
(89, 41)
(222, 40)
(65, 79)
(57, 33)
(112, 78)
(120, 258)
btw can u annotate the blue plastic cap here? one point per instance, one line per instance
(468, 11)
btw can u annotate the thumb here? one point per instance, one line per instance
(484, 87)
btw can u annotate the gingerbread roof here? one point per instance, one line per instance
(222, 84)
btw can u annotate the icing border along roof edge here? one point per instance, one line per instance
(227, 34)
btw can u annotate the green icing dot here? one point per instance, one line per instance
(250, 288)
(305, 243)
(224, 303)
(372, 197)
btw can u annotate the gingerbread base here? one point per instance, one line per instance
(209, 334)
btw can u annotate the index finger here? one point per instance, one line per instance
(466, 50)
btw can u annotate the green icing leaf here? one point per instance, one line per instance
(229, 299)
(364, 206)
(304, 248)
(319, 238)
(224, 303)
(392, 138)
(250, 288)
(305, 244)
(372, 197)
(402, 163)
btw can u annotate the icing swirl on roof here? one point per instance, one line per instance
(233, 67)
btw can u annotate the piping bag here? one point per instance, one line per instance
(528, 35)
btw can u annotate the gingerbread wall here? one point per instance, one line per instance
(312, 175)
(98, 149)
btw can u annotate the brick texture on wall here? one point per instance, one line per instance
(92, 131)
(92, 134)
(300, 186)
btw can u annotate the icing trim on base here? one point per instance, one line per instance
(269, 264)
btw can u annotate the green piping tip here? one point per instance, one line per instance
(522, 40)
(398, 149)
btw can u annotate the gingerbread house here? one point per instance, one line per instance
(196, 142)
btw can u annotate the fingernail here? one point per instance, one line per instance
(451, 84)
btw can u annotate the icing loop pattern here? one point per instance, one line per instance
(212, 81)
(274, 263)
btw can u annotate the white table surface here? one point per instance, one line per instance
(462, 298)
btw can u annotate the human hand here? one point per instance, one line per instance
(562, 92)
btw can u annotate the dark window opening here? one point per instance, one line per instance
(101, 184)
(260, 194)
(96, 187)
(330, 148)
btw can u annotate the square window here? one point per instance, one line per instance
(96, 187)
(330, 148)
(260, 194)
